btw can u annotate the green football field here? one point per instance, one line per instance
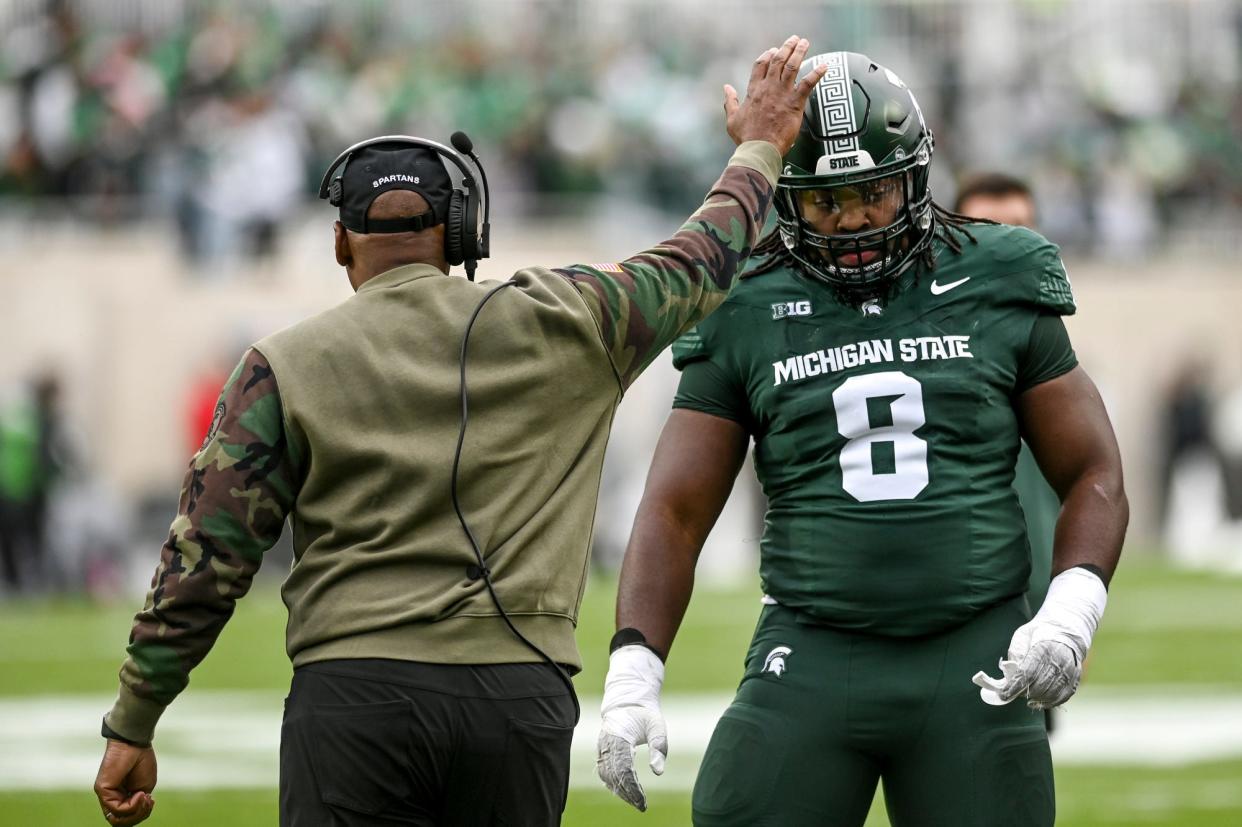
(1173, 638)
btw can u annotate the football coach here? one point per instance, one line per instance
(436, 446)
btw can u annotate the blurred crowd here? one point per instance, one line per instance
(217, 117)
(221, 115)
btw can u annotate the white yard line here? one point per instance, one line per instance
(213, 739)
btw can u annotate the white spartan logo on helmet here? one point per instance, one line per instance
(775, 661)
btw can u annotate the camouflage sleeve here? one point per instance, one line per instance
(645, 302)
(238, 489)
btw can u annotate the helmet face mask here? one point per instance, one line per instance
(853, 205)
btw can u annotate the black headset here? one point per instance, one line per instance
(465, 239)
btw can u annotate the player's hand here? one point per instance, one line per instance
(1045, 657)
(631, 716)
(124, 783)
(1042, 664)
(775, 98)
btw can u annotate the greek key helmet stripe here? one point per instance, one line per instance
(836, 104)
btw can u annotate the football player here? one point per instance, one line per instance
(885, 356)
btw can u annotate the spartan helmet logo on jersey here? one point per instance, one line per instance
(775, 661)
(853, 206)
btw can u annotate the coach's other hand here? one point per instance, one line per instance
(631, 716)
(775, 98)
(124, 783)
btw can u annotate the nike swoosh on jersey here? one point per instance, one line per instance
(937, 289)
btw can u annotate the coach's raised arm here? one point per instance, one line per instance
(436, 447)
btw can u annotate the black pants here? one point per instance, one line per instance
(383, 742)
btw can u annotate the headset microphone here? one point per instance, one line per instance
(462, 143)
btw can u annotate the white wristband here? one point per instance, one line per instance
(1074, 605)
(635, 676)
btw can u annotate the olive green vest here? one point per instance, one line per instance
(370, 393)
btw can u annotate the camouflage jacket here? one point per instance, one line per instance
(245, 480)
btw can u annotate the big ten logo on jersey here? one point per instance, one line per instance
(796, 308)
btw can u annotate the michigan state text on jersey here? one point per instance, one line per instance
(885, 356)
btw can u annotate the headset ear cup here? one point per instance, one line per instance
(336, 192)
(470, 227)
(454, 230)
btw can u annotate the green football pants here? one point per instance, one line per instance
(821, 716)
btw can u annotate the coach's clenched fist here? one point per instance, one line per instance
(124, 783)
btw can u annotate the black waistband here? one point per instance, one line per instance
(498, 680)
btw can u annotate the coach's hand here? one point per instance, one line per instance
(124, 783)
(631, 716)
(775, 98)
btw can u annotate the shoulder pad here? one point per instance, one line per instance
(1055, 292)
(1035, 261)
(1042, 259)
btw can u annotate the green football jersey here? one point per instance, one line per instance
(885, 442)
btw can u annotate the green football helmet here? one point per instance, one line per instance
(863, 150)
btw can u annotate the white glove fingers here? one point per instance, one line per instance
(1002, 690)
(615, 766)
(1055, 673)
(657, 745)
(1015, 685)
(989, 688)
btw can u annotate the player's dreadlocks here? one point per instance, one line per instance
(948, 226)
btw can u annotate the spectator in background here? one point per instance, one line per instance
(1227, 436)
(1199, 472)
(1186, 427)
(997, 197)
(253, 176)
(31, 459)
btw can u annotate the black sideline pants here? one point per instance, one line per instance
(383, 742)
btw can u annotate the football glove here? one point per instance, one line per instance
(631, 716)
(1045, 657)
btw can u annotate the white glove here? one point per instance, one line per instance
(631, 716)
(1045, 656)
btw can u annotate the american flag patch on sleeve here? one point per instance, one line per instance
(607, 268)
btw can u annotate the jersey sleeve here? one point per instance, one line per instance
(238, 489)
(707, 385)
(1049, 353)
(643, 303)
